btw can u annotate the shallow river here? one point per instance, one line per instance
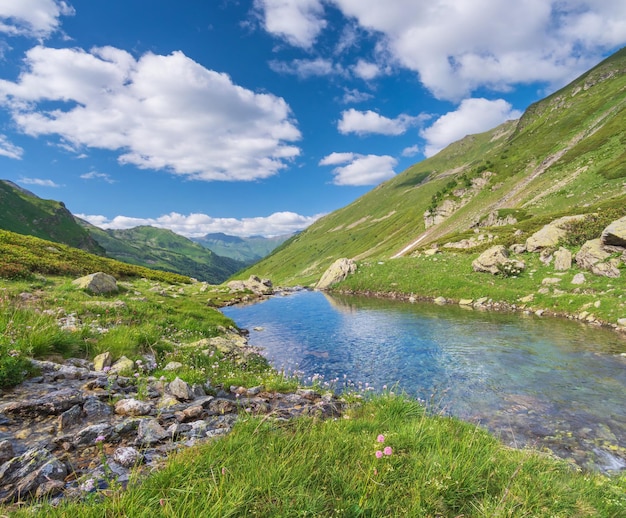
(540, 382)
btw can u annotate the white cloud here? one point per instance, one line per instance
(38, 181)
(355, 96)
(472, 116)
(33, 18)
(337, 158)
(304, 68)
(369, 122)
(411, 151)
(360, 169)
(457, 46)
(160, 112)
(197, 225)
(10, 150)
(299, 22)
(366, 70)
(95, 175)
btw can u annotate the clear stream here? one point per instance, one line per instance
(539, 382)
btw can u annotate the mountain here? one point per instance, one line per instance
(245, 249)
(163, 249)
(565, 155)
(24, 213)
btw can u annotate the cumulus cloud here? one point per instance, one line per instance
(472, 116)
(299, 22)
(32, 18)
(411, 150)
(360, 169)
(197, 225)
(369, 122)
(355, 96)
(456, 46)
(10, 150)
(38, 181)
(158, 112)
(366, 70)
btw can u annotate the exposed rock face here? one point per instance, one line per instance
(337, 272)
(54, 425)
(97, 283)
(592, 256)
(615, 233)
(494, 220)
(493, 260)
(254, 284)
(550, 235)
(442, 212)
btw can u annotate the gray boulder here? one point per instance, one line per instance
(495, 259)
(615, 233)
(97, 283)
(562, 260)
(550, 235)
(336, 272)
(254, 284)
(593, 257)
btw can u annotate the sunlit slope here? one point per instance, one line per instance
(566, 154)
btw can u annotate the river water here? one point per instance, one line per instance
(535, 382)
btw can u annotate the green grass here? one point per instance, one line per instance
(438, 466)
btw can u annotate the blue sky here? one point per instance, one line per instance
(255, 117)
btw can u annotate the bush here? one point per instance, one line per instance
(14, 368)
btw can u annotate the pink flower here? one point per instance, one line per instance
(100, 438)
(380, 438)
(378, 454)
(387, 450)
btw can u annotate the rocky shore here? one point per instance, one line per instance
(73, 430)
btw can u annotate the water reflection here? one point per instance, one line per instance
(541, 382)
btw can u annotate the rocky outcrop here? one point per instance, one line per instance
(593, 257)
(98, 426)
(97, 283)
(615, 234)
(562, 260)
(550, 235)
(336, 272)
(496, 260)
(254, 284)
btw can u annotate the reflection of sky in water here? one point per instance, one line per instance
(475, 364)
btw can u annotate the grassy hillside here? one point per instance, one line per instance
(23, 212)
(162, 249)
(565, 155)
(22, 257)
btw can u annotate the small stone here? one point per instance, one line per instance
(123, 366)
(180, 390)
(94, 408)
(133, 407)
(173, 366)
(127, 456)
(579, 278)
(50, 488)
(621, 322)
(6, 451)
(440, 301)
(549, 281)
(102, 360)
(150, 432)
(527, 298)
(466, 302)
(70, 417)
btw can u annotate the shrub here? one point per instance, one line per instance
(14, 368)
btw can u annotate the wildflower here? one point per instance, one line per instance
(136, 374)
(88, 485)
(100, 438)
(380, 438)
(387, 450)
(379, 454)
(106, 369)
(223, 471)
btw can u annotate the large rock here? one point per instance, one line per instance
(592, 256)
(550, 235)
(562, 260)
(337, 272)
(254, 284)
(495, 259)
(97, 283)
(615, 233)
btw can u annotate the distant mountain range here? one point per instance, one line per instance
(246, 249)
(23, 212)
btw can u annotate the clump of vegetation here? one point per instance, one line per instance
(579, 232)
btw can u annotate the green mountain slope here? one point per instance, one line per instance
(23, 212)
(162, 249)
(566, 154)
(245, 249)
